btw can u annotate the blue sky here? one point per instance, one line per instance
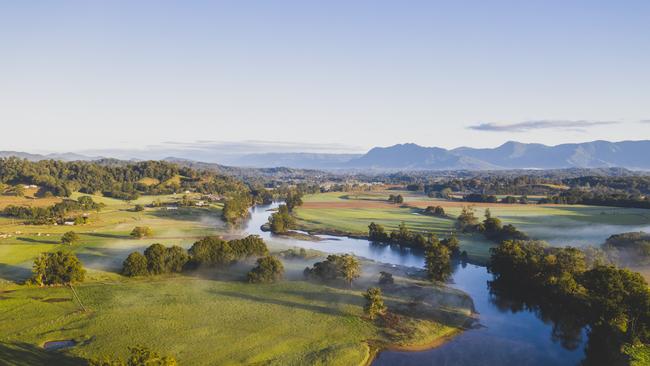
(326, 75)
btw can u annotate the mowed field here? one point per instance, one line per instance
(560, 225)
(214, 318)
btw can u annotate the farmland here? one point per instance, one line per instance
(207, 318)
(577, 225)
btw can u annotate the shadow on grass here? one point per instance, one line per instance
(14, 274)
(286, 303)
(19, 354)
(327, 296)
(39, 241)
(188, 214)
(108, 236)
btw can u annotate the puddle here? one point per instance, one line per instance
(56, 345)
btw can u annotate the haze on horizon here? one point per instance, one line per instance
(333, 76)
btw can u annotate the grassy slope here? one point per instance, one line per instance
(558, 224)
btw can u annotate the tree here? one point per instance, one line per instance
(175, 259)
(343, 266)
(453, 244)
(268, 269)
(386, 278)
(58, 268)
(437, 211)
(293, 200)
(281, 221)
(156, 257)
(70, 238)
(467, 220)
(377, 233)
(135, 265)
(437, 261)
(374, 303)
(211, 251)
(619, 296)
(140, 232)
(138, 208)
(397, 199)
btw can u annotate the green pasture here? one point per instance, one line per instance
(560, 225)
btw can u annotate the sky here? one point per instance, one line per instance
(335, 76)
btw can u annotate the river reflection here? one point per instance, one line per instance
(512, 332)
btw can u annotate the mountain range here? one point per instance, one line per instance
(511, 155)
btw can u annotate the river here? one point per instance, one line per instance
(504, 338)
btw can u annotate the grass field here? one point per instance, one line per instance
(208, 321)
(200, 320)
(105, 240)
(560, 225)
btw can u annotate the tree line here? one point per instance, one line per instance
(491, 227)
(56, 213)
(209, 252)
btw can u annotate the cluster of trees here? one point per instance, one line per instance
(345, 266)
(436, 211)
(210, 251)
(56, 213)
(396, 198)
(629, 248)
(214, 251)
(583, 197)
(57, 268)
(281, 221)
(407, 238)
(490, 198)
(586, 293)
(491, 227)
(157, 259)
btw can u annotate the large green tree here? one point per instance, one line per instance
(268, 269)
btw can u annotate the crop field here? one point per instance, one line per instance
(560, 225)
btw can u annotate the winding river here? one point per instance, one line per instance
(504, 338)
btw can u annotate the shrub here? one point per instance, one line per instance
(374, 303)
(57, 268)
(69, 238)
(140, 232)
